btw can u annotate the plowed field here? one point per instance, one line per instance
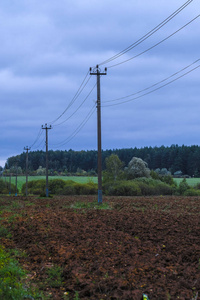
(131, 246)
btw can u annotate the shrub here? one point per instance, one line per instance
(55, 185)
(123, 188)
(168, 179)
(192, 192)
(36, 187)
(146, 189)
(183, 186)
(85, 189)
(150, 186)
(5, 187)
(73, 188)
(67, 190)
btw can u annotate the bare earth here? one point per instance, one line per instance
(140, 245)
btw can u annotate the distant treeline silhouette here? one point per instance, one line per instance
(174, 158)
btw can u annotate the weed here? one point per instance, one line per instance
(76, 296)
(156, 206)
(4, 232)
(11, 274)
(55, 278)
(90, 205)
(168, 296)
(12, 218)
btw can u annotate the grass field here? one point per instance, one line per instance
(82, 179)
(190, 181)
(22, 179)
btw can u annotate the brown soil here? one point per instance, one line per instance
(141, 245)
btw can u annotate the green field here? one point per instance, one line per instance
(22, 179)
(190, 181)
(81, 179)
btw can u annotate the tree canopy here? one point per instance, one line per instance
(174, 158)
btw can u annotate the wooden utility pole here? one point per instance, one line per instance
(47, 186)
(27, 149)
(16, 180)
(10, 185)
(96, 71)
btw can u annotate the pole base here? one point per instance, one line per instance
(99, 196)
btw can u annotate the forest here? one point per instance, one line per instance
(174, 158)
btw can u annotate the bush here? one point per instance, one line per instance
(61, 187)
(55, 185)
(192, 192)
(85, 189)
(5, 187)
(183, 186)
(139, 186)
(146, 189)
(123, 188)
(67, 190)
(36, 187)
(169, 180)
(150, 186)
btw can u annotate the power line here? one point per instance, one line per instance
(78, 129)
(37, 138)
(150, 33)
(79, 91)
(153, 90)
(155, 44)
(77, 107)
(147, 88)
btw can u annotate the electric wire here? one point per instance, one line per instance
(78, 129)
(37, 138)
(131, 58)
(147, 35)
(42, 142)
(158, 88)
(77, 94)
(77, 107)
(153, 85)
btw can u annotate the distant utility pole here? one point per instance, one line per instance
(96, 71)
(16, 180)
(47, 186)
(10, 185)
(27, 149)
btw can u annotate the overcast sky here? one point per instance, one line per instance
(47, 48)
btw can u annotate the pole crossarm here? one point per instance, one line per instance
(97, 71)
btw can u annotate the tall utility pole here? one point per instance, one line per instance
(27, 149)
(96, 71)
(47, 162)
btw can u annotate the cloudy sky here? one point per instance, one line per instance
(150, 95)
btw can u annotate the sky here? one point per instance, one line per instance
(47, 49)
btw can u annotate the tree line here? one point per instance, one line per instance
(174, 158)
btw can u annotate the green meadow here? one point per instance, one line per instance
(190, 181)
(22, 179)
(81, 179)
